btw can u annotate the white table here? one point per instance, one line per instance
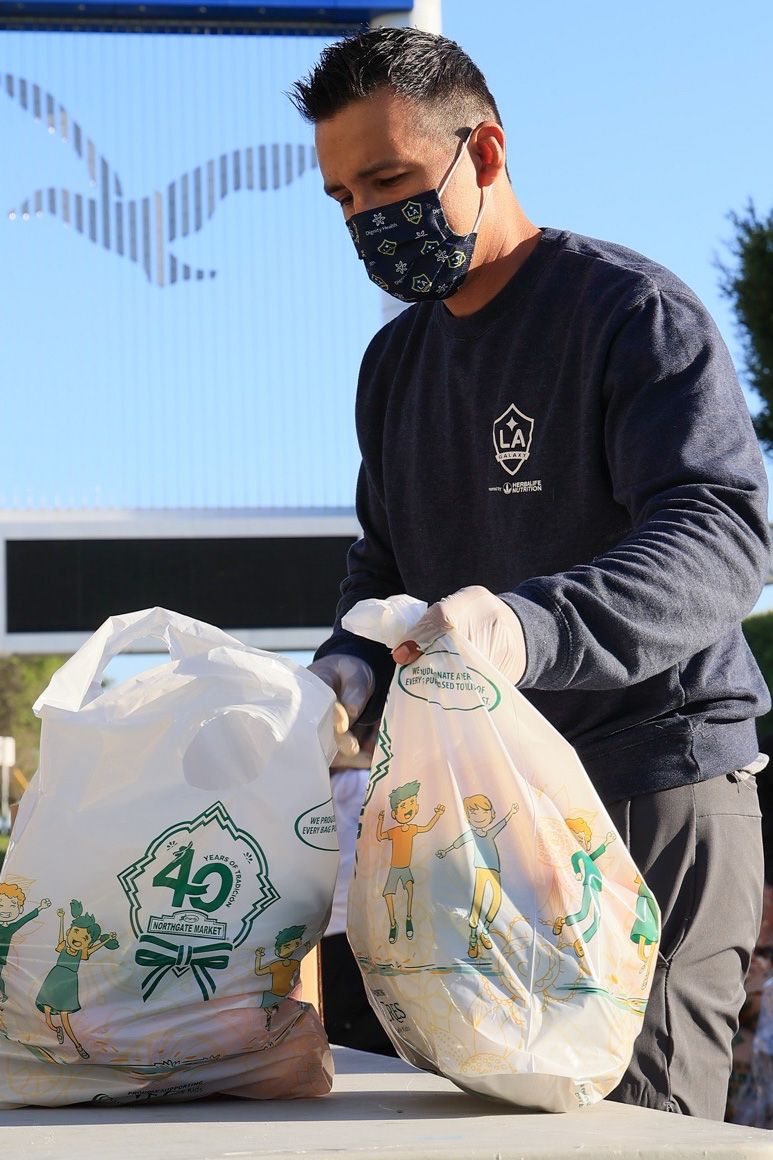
(378, 1107)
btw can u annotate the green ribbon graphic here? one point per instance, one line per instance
(164, 956)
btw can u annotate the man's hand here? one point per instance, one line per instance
(487, 622)
(352, 681)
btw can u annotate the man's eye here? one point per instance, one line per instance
(387, 181)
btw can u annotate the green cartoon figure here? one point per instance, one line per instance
(284, 969)
(587, 872)
(12, 899)
(59, 992)
(405, 806)
(645, 931)
(483, 833)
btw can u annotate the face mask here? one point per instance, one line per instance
(408, 248)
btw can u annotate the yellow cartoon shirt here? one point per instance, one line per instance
(283, 972)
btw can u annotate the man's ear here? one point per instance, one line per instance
(394, 814)
(487, 149)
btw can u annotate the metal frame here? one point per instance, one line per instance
(293, 16)
(166, 524)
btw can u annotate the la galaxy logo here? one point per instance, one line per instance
(412, 212)
(512, 439)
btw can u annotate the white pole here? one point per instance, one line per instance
(7, 760)
(425, 15)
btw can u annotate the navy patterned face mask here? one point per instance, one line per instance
(409, 249)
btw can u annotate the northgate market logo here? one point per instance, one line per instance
(194, 896)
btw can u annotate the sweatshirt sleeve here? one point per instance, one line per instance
(684, 461)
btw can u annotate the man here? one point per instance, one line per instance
(557, 457)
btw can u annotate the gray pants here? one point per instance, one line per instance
(699, 848)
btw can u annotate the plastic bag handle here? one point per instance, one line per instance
(389, 621)
(79, 680)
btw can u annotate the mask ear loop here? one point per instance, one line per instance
(454, 166)
(444, 183)
(483, 199)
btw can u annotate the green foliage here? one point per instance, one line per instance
(758, 631)
(112, 944)
(76, 908)
(749, 286)
(4, 839)
(22, 680)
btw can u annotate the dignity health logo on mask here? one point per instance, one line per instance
(408, 248)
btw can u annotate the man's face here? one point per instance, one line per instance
(406, 810)
(385, 148)
(9, 909)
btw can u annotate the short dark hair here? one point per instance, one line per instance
(417, 65)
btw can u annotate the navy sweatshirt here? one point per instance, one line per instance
(581, 447)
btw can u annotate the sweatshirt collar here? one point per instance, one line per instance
(470, 326)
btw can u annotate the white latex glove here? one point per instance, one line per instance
(352, 681)
(485, 620)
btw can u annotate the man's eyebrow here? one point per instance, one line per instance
(363, 174)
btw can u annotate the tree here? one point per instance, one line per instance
(758, 630)
(749, 286)
(22, 680)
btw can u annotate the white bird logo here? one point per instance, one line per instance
(141, 229)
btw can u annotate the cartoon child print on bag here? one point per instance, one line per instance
(284, 969)
(586, 871)
(483, 833)
(645, 931)
(12, 900)
(404, 804)
(59, 992)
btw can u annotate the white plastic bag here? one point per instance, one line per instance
(505, 936)
(171, 862)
